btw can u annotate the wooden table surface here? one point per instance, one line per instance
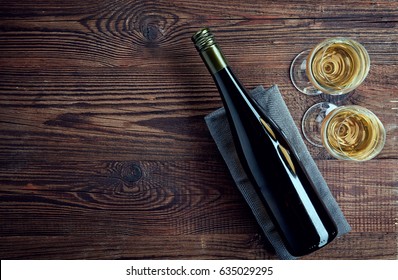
(104, 153)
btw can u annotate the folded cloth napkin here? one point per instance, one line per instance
(275, 108)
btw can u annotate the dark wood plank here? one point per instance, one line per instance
(216, 246)
(103, 149)
(166, 198)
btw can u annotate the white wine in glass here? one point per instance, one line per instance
(353, 133)
(335, 66)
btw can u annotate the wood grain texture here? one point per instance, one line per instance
(202, 246)
(104, 153)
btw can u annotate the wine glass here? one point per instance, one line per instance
(334, 67)
(351, 132)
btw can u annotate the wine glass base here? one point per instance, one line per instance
(311, 124)
(298, 75)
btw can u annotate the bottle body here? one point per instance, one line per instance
(281, 183)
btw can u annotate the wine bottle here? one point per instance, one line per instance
(284, 187)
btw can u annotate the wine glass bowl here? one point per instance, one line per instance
(335, 66)
(338, 65)
(353, 133)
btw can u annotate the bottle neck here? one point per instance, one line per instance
(209, 51)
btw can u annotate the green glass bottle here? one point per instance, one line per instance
(275, 171)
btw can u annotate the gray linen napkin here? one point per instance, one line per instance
(273, 105)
